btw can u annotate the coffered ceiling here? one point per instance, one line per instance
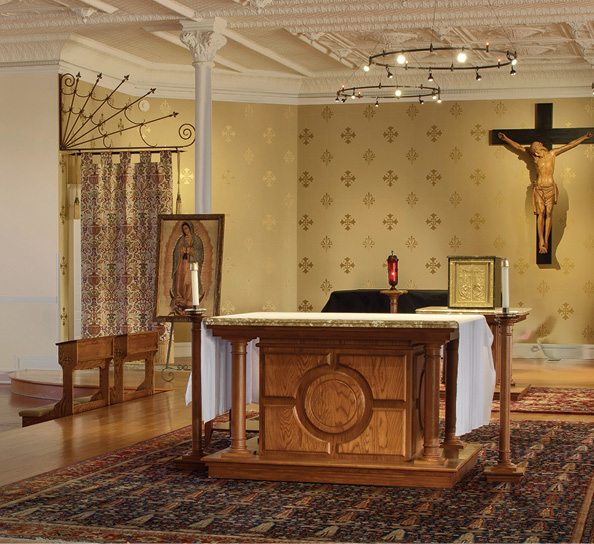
(303, 50)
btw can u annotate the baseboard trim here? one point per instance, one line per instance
(26, 361)
(183, 349)
(553, 352)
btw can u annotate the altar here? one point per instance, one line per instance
(354, 398)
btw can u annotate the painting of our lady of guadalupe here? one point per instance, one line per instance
(184, 240)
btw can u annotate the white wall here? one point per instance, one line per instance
(29, 217)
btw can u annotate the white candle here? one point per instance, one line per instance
(195, 291)
(505, 285)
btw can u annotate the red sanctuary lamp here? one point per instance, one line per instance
(393, 271)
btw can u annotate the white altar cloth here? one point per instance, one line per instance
(215, 354)
(476, 373)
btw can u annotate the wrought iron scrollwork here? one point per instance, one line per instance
(86, 119)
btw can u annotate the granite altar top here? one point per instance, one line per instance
(328, 319)
(473, 311)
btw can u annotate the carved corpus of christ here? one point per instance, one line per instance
(545, 191)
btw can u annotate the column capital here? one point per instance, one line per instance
(204, 38)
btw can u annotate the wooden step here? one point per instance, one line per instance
(47, 384)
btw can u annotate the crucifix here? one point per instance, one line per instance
(540, 152)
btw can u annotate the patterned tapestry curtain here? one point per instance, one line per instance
(119, 208)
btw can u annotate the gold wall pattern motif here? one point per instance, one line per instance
(434, 133)
(499, 244)
(433, 177)
(565, 311)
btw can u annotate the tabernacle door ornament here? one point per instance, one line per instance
(474, 282)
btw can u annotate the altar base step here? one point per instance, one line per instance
(517, 392)
(294, 469)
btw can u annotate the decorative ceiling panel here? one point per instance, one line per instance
(323, 43)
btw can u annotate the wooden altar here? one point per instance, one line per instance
(348, 398)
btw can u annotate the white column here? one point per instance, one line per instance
(204, 38)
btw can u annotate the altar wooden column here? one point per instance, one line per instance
(238, 402)
(193, 460)
(505, 470)
(451, 441)
(431, 451)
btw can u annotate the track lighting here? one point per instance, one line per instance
(430, 78)
(383, 91)
(398, 59)
(478, 76)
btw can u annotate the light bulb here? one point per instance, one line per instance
(462, 56)
(366, 68)
(430, 78)
(401, 59)
(398, 92)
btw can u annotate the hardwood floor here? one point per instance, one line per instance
(25, 452)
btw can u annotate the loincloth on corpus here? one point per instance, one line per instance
(543, 198)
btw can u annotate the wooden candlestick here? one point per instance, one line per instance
(393, 294)
(505, 470)
(193, 460)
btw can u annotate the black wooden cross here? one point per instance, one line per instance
(543, 132)
(547, 135)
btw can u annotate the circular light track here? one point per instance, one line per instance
(400, 59)
(388, 92)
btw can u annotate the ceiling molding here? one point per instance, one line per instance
(297, 51)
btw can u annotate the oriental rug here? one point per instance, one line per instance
(137, 495)
(554, 400)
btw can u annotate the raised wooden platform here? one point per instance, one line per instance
(47, 384)
(302, 469)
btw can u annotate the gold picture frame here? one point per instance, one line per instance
(183, 239)
(474, 282)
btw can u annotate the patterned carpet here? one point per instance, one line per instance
(554, 400)
(137, 495)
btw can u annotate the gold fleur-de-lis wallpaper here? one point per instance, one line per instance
(423, 181)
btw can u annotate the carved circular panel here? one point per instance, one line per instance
(334, 403)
